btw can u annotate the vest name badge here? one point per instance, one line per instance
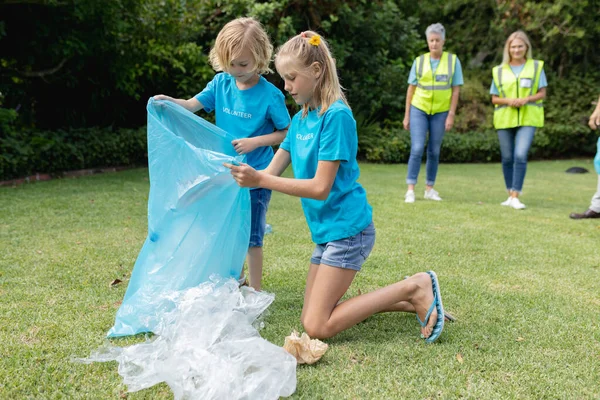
(526, 83)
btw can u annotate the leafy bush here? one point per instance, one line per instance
(565, 133)
(53, 152)
(392, 145)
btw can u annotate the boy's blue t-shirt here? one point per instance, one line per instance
(517, 70)
(257, 111)
(330, 137)
(457, 75)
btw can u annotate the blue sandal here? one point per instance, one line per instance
(437, 303)
(447, 316)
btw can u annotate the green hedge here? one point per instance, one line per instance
(568, 104)
(29, 152)
(392, 145)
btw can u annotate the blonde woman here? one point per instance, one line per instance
(248, 106)
(321, 146)
(518, 89)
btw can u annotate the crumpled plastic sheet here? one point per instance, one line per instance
(208, 348)
(198, 217)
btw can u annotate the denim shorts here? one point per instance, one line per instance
(259, 201)
(348, 253)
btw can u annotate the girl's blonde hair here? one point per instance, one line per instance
(237, 35)
(516, 35)
(299, 53)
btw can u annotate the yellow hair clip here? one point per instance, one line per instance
(315, 40)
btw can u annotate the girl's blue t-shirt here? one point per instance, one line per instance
(253, 112)
(516, 69)
(330, 137)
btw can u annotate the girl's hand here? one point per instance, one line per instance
(244, 175)
(406, 123)
(244, 146)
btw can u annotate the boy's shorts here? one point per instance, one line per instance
(259, 201)
(348, 253)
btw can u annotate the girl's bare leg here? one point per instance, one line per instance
(254, 258)
(310, 278)
(323, 317)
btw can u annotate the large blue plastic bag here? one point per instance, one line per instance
(198, 217)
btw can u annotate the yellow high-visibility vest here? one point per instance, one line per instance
(434, 90)
(512, 87)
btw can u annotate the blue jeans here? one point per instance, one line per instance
(514, 146)
(259, 202)
(420, 124)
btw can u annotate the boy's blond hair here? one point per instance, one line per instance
(516, 35)
(237, 35)
(299, 53)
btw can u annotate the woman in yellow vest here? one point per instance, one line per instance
(433, 87)
(518, 89)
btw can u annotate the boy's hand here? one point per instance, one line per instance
(244, 146)
(244, 175)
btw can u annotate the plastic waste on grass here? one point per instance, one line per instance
(198, 217)
(207, 347)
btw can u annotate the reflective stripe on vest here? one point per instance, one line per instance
(511, 86)
(432, 96)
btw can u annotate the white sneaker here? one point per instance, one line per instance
(507, 202)
(409, 197)
(516, 204)
(432, 194)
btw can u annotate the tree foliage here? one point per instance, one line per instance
(83, 63)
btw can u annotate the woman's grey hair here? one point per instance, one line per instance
(436, 28)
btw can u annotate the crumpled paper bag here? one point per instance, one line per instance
(305, 349)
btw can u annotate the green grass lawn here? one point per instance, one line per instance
(524, 285)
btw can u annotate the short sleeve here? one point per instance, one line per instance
(543, 81)
(412, 76)
(207, 96)
(338, 137)
(457, 76)
(278, 112)
(285, 145)
(494, 89)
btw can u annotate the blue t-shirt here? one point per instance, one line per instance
(457, 75)
(257, 111)
(330, 137)
(517, 70)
